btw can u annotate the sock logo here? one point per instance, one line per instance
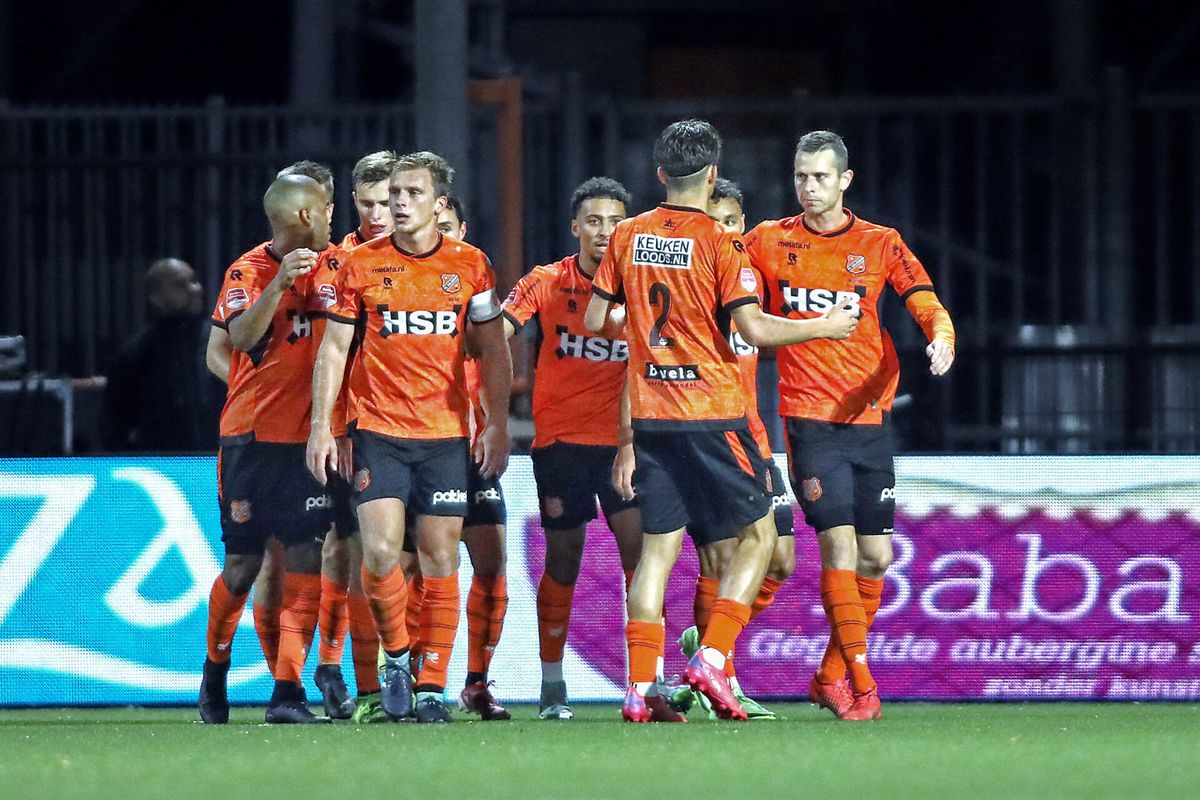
(433, 657)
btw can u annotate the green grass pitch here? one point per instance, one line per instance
(926, 751)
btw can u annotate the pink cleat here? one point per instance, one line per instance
(714, 685)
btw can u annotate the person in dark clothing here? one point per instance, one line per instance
(160, 395)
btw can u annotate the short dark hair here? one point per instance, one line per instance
(456, 205)
(686, 147)
(725, 189)
(440, 171)
(373, 167)
(311, 169)
(816, 141)
(600, 188)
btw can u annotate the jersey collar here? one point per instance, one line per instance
(673, 207)
(850, 220)
(427, 254)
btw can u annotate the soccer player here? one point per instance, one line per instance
(576, 407)
(836, 398)
(414, 291)
(676, 269)
(264, 312)
(716, 547)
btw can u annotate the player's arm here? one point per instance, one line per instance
(934, 320)
(596, 315)
(767, 330)
(218, 352)
(247, 329)
(495, 379)
(625, 461)
(322, 452)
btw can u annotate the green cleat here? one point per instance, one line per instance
(689, 642)
(367, 710)
(754, 709)
(679, 697)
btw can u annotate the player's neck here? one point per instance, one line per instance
(826, 221)
(419, 241)
(587, 265)
(285, 241)
(690, 198)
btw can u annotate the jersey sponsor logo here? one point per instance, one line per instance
(239, 511)
(856, 265)
(362, 479)
(590, 348)
(236, 298)
(798, 299)
(451, 496)
(660, 251)
(451, 282)
(489, 494)
(301, 326)
(749, 282)
(671, 373)
(417, 323)
(888, 493)
(324, 501)
(790, 243)
(811, 487)
(740, 346)
(572, 306)
(327, 295)
(389, 268)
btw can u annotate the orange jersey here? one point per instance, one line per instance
(407, 380)
(324, 275)
(577, 385)
(805, 273)
(270, 387)
(676, 270)
(351, 240)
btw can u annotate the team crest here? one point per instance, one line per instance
(239, 511)
(856, 265)
(553, 506)
(362, 479)
(812, 489)
(451, 283)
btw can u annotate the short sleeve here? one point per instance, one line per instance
(243, 285)
(905, 272)
(484, 306)
(738, 283)
(607, 283)
(338, 293)
(526, 298)
(324, 293)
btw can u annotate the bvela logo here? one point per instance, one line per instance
(590, 348)
(660, 251)
(799, 299)
(323, 501)
(673, 373)
(417, 323)
(327, 295)
(856, 265)
(451, 282)
(449, 496)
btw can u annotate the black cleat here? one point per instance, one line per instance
(334, 693)
(395, 688)
(430, 708)
(214, 700)
(287, 706)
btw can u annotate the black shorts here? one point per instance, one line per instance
(266, 490)
(345, 524)
(715, 479)
(428, 474)
(843, 474)
(704, 534)
(485, 500)
(570, 477)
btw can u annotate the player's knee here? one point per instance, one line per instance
(873, 564)
(335, 557)
(240, 571)
(378, 557)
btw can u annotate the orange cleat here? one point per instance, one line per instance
(866, 706)
(714, 684)
(835, 696)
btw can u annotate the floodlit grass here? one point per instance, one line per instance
(918, 750)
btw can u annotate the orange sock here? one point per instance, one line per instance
(364, 644)
(645, 642)
(297, 622)
(266, 625)
(224, 613)
(439, 624)
(706, 595)
(388, 597)
(725, 624)
(486, 604)
(412, 613)
(554, 615)
(870, 590)
(334, 621)
(766, 596)
(844, 608)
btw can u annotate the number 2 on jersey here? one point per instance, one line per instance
(660, 295)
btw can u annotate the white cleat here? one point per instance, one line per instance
(558, 711)
(553, 702)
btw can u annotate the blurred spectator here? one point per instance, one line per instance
(160, 394)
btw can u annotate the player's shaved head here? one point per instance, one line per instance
(686, 147)
(313, 169)
(287, 195)
(816, 141)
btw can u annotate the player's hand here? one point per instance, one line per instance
(300, 261)
(840, 321)
(345, 457)
(491, 450)
(622, 472)
(941, 356)
(321, 455)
